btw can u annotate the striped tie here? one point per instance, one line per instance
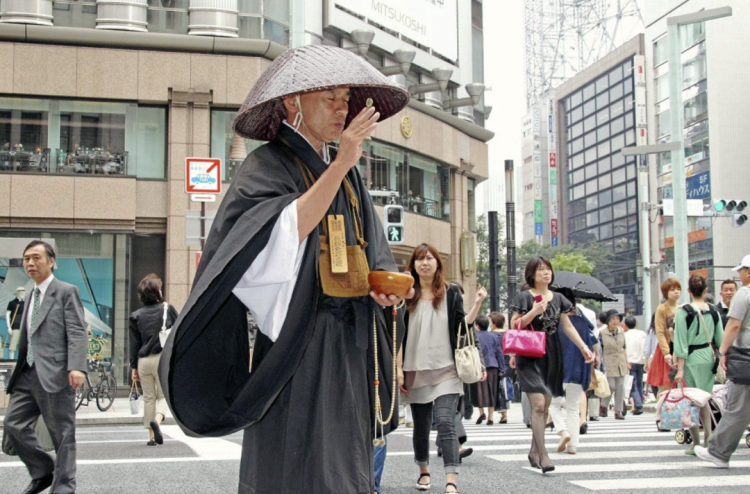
(34, 310)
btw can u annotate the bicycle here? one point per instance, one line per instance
(104, 391)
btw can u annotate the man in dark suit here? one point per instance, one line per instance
(51, 365)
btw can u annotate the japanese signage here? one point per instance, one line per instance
(432, 23)
(538, 215)
(553, 228)
(202, 175)
(696, 187)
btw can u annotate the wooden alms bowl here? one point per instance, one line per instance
(389, 283)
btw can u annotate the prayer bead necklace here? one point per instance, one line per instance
(379, 422)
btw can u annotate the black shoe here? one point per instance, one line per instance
(38, 485)
(548, 468)
(533, 463)
(593, 419)
(151, 443)
(157, 432)
(551, 425)
(481, 419)
(465, 452)
(440, 452)
(490, 422)
(584, 428)
(638, 411)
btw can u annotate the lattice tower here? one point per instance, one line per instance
(565, 36)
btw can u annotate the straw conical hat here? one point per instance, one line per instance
(314, 68)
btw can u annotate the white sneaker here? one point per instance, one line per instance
(564, 440)
(571, 450)
(704, 455)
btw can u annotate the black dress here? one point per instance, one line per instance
(543, 374)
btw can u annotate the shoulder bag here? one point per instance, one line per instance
(717, 370)
(164, 333)
(738, 365)
(468, 363)
(524, 342)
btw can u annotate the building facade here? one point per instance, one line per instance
(714, 62)
(96, 124)
(600, 111)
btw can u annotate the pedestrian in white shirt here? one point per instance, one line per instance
(635, 340)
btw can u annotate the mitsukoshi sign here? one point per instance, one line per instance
(431, 23)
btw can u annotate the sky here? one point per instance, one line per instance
(504, 75)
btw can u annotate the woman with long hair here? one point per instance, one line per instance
(697, 328)
(145, 352)
(541, 309)
(662, 363)
(426, 365)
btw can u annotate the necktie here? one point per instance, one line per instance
(34, 310)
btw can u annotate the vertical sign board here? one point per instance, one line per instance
(202, 176)
(641, 118)
(552, 172)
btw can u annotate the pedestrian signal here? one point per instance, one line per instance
(393, 223)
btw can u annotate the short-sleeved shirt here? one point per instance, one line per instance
(740, 309)
(550, 321)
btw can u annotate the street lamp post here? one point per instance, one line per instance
(510, 231)
(677, 123)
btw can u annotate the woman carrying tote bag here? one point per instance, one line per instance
(541, 378)
(145, 350)
(426, 362)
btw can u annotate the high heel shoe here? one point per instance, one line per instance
(533, 463)
(551, 426)
(548, 468)
(481, 419)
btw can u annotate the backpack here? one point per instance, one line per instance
(691, 313)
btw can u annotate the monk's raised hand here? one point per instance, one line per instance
(359, 129)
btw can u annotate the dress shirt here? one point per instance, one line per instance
(42, 290)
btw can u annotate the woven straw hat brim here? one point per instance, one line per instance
(315, 68)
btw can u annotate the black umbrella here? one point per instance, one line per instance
(583, 286)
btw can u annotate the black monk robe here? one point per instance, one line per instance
(307, 406)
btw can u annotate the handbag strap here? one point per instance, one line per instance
(164, 317)
(469, 334)
(681, 388)
(702, 324)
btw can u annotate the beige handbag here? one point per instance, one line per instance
(468, 363)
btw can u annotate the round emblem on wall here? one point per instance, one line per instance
(406, 127)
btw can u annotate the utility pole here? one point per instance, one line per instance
(494, 261)
(510, 231)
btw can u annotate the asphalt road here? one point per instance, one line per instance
(623, 456)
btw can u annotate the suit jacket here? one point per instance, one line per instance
(59, 337)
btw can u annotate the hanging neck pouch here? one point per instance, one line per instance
(343, 268)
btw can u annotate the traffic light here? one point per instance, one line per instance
(733, 208)
(393, 217)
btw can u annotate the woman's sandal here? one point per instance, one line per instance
(451, 484)
(424, 487)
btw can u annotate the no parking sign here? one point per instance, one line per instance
(203, 176)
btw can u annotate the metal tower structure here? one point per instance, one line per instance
(565, 36)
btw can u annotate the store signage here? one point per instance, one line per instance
(203, 176)
(552, 178)
(432, 23)
(538, 188)
(696, 187)
(553, 228)
(553, 160)
(539, 229)
(554, 242)
(538, 214)
(535, 118)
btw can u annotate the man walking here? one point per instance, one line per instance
(728, 289)
(635, 340)
(51, 365)
(733, 424)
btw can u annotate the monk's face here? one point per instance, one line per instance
(324, 114)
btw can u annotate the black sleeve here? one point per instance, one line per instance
(172, 316)
(522, 303)
(135, 341)
(565, 305)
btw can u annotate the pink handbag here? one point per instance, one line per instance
(524, 342)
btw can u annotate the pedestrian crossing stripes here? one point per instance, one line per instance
(613, 455)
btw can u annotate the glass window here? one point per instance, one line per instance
(68, 136)
(249, 6)
(591, 187)
(75, 13)
(619, 193)
(168, 16)
(618, 160)
(618, 176)
(577, 207)
(602, 116)
(576, 115)
(616, 92)
(577, 223)
(602, 83)
(617, 125)
(631, 189)
(590, 171)
(250, 27)
(592, 203)
(632, 206)
(628, 85)
(615, 75)
(592, 219)
(632, 223)
(589, 139)
(617, 108)
(605, 181)
(592, 234)
(605, 198)
(588, 92)
(602, 101)
(589, 124)
(604, 148)
(576, 146)
(629, 120)
(578, 192)
(605, 231)
(590, 155)
(576, 130)
(605, 214)
(662, 87)
(230, 148)
(629, 137)
(602, 133)
(661, 51)
(589, 107)
(576, 161)
(576, 99)
(605, 164)
(662, 124)
(620, 226)
(629, 103)
(696, 109)
(631, 172)
(692, 33)
(620, 210)
(577, 177)
(277, 10)
(618, 142)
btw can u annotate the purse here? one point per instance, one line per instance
(468, 362)
(164, 333)
(717, 370)
(738, 365)
(136, 399)
(524, 342)
(676, 410)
